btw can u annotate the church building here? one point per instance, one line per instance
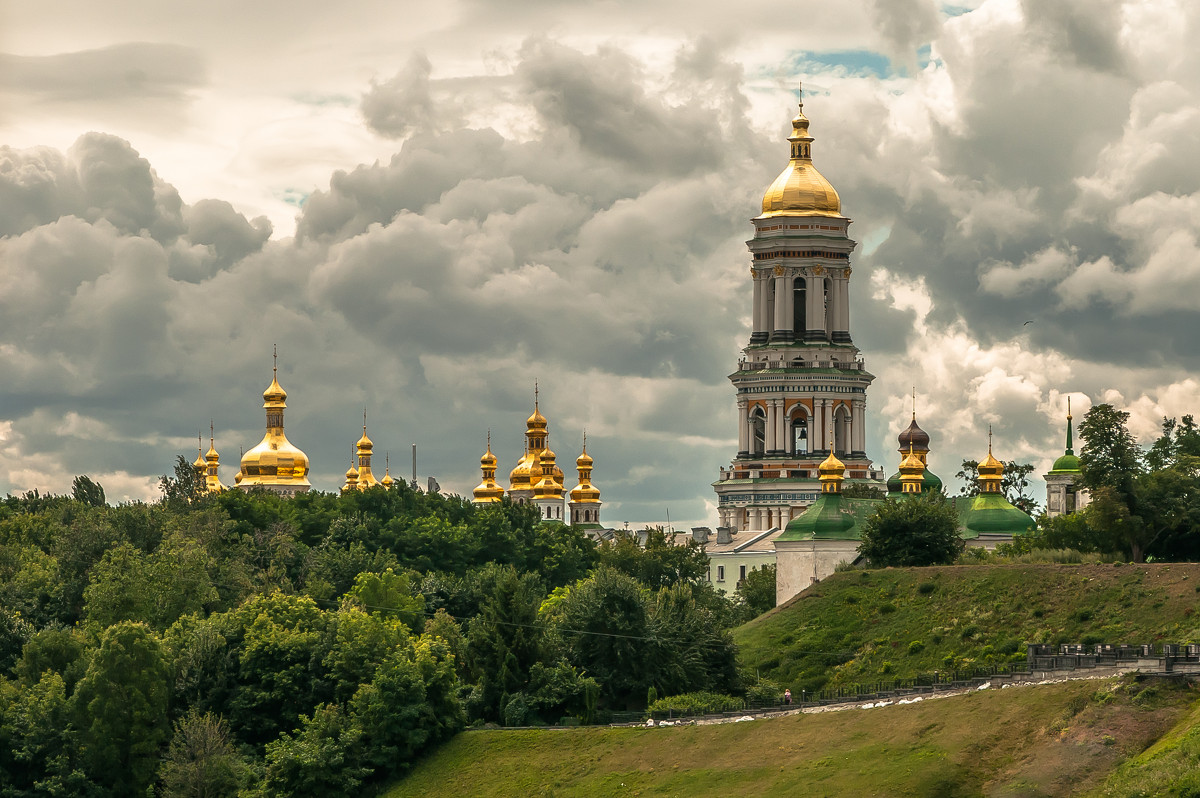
(274, 464)
(537, 479)
(1065, 492)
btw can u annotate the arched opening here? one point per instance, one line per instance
(799, 425)
(758, 431)
(841, 430)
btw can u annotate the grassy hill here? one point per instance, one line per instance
(861, 626)
(1062, 739)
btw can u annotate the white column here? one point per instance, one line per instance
(781, 426)
(769, 432)
(743, 427)
(860, 433)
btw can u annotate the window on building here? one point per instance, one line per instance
(742, 575)
(720, 573)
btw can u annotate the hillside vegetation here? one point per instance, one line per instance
(1061, 739)
(861, 626)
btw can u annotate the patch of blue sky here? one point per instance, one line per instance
(955, 11)
(292, 196)
(848, 63)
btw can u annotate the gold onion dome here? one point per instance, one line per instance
(831, 471)
(488, 490)
(212, 479)
(387, 480)
(585, 491)
(275, 461)
(550, 485)
(912, 472)
(363, 449)
(991, 470)
(800, 190)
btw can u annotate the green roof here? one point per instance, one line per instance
(831, 517)
(1067, 464)
(991, 513)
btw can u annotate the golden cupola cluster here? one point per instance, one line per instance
(360, 476)
(212, 464)
(537, 478)
(800, 190)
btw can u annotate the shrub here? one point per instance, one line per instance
(887, 609)
(1038, 613)
(1083, 616)
(765, 692)
(969, 632)
(1092, 639)
(701, 703)
(925, 588)
(1009, 646)
(915, 647)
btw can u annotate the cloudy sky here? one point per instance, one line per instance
(430, 206)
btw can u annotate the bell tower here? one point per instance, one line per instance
(801, 382)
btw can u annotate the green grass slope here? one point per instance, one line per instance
(1170, 767)
(1052, 740)
(856, 627)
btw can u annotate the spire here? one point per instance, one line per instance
(1069, 450)
(351, 474)
(991, 470)
(199, 463)
(212, 479)
(387, 480)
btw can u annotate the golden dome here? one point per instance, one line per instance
(550, 484)
(366, 477)
(212, 479)
(991, 471)
(275, 463)
(585, 492)
(800, 190)
(387, 480)
(488, 491)
(831, 471)
(912, 473)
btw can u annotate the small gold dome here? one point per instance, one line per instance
(800, 190)
(274, 394)
(387, 480)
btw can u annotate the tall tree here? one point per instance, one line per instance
(120, 708)
(922, 530)
(1110, 456)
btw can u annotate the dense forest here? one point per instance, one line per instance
(244, 643)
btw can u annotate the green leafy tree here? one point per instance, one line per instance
(185, 486)
(391, 593)
(915, 531)
(1110, 456)
(659, 563)
(604, 626)
(201, 761)
(505, 639)
(1171, 508)
(84, 490)
(856, 489)
(39, 746)
(322, 757)
(120, 708)
(1178, 438)
(757, 590)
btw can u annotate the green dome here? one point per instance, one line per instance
(831, 517)
(1068, 462)
(992, 513)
